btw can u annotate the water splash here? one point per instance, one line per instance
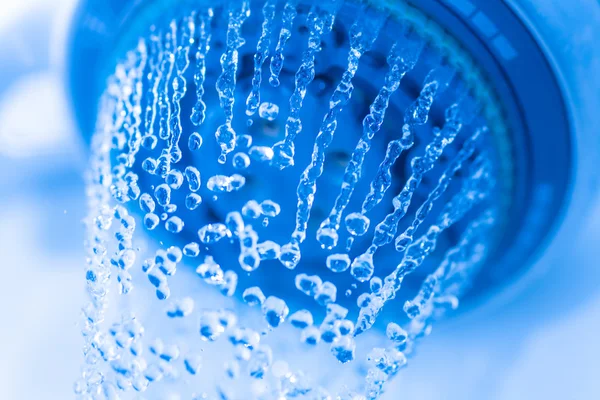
(319, 22)
(439, 292)
(199, 109)
(167, 65)
(357, 223)
(186, 32)
(401, 59)
(405, 239)
(362, 35)
(287, 22)
(227, 80)
(385, 231)
(262, 52)
(227, 233)
(134, 132)
(475, 189)
(154, 77)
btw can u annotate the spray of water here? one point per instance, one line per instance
(212, 275)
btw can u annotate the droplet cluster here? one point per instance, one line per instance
(211, 262)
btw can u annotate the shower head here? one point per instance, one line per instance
(498, 56)
(321, 114)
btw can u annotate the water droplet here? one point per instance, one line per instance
(328, 237)
(241, 161)
(309, 285)
(396, 334)
(345, 327)
(174, 254)
(174, 224)
(268, 250)
(210, 271)
(191, 249)
(212, 233)
(235, 223)
(223, 183)
(311, 335)
(193, 177)
(338, 262)
(192, 201)
(226, 139)
(162, 193)
(181, 308)
(194, 141)
(151, 221)
(343, 349)
(269, 208)
(261, 153)
(268, 111)
(163, 292)
(149, 165)
(243, 141)
(357, 224)
(253, 296)
(290, 255)
(210, 326)
(149, 142)
(326, 293)
(363, 300)
(375, 284)
(301, 319)
(230, 280)
(275, 311)
(251, 209)
(147, 203)
(174, 179)
(362, 267)
(249, 259)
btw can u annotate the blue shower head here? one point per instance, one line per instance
(500, 65)
(309, 149)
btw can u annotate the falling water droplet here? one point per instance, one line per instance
(268, 111)
(195, 141)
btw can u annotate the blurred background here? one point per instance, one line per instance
(42, 203)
